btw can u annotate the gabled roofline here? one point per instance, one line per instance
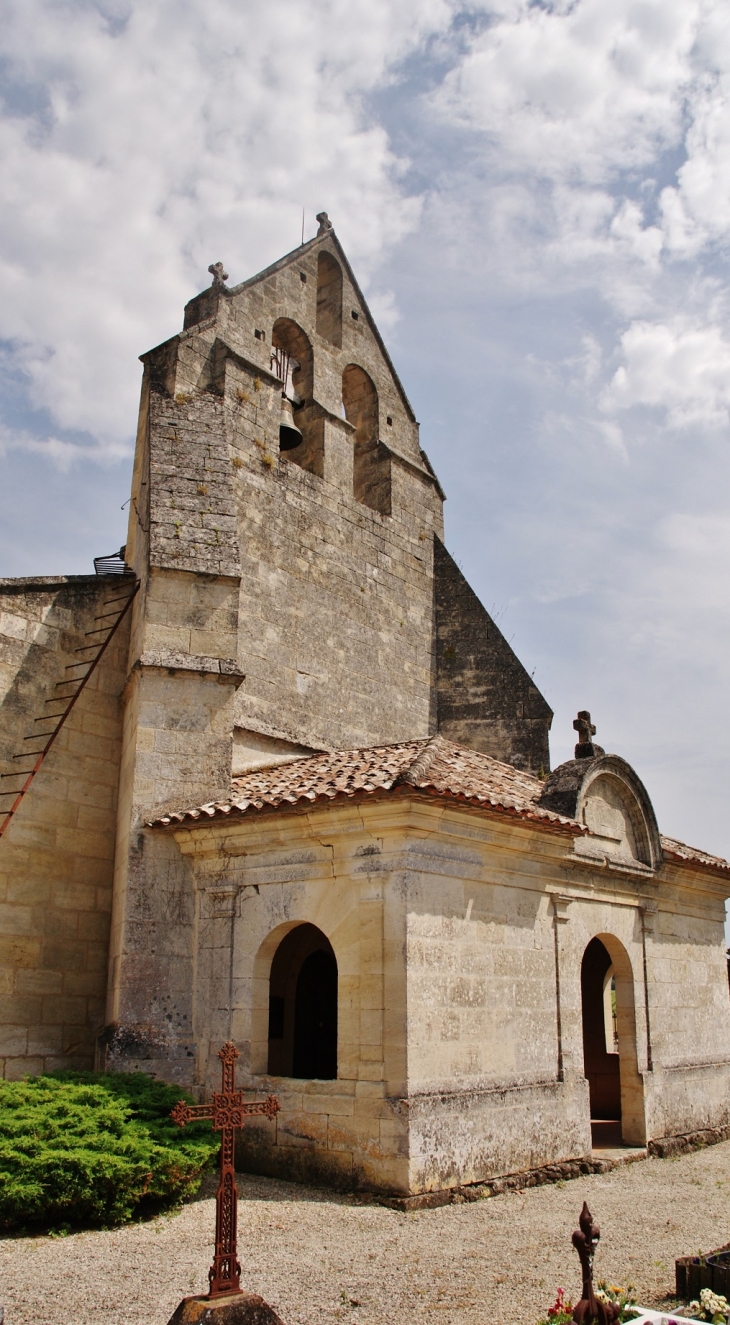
(319, 240)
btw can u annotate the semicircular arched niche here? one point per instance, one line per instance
(610, 812)
(607, 796)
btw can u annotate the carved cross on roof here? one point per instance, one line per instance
(218, 272)
(324, 223)
(585, 749)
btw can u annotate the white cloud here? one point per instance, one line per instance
(62, 453)
(681, 369)
(578, 92)
(562, 295)
(607, 138)
(141, 141)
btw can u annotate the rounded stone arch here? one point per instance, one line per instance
(615, 1082)
(329, 298)
(295, 1004)
(371, 461)
(608, 797)
(288, 336)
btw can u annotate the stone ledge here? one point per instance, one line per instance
(225, 669)
(512, 1182)
(405, 461)
(667, 1147)
(663, 1148)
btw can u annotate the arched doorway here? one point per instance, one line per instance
(303, 1006)
(609, 1045)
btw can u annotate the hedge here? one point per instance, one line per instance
(83, 1149)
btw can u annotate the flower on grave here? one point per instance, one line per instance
(623, 1298)
(560, 1305)
(712, 1307)
(561, 1312)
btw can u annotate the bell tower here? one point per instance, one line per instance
(295, 593)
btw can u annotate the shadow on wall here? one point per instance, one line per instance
(371, 465)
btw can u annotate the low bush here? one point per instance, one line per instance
(87, 1149)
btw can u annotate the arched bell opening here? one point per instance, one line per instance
(609, 1045)
(371, 465)
(301, 436)
(303, 1006)
(329, 299)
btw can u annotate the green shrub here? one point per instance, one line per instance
(83, 1148)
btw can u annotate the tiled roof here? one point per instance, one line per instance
(680, 851)
(433, 765)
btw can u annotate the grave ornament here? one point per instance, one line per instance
(225, 1304)
(590, 1308)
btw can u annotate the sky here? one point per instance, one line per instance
(536, 200)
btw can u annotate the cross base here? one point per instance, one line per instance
(232, 1309)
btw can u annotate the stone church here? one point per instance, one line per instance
(274, 775)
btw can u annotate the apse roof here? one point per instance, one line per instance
(434, 766)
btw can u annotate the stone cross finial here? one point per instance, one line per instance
(585, 749)
(324, 223)
(220, 276)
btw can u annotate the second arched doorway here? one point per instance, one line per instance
(303, 1006)
(609, 1045)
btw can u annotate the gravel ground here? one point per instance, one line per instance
(317, 1257)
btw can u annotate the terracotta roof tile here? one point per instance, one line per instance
(680, 851)
(433, 764)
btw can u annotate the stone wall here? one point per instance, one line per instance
(347, 1132)
(459, 937)
(273, 603)
(56, 857)
(484, 696)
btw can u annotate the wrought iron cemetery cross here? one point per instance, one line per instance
(227, 1112)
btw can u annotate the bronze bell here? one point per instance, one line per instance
(289, 435)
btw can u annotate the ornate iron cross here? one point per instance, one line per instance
(227, 1112)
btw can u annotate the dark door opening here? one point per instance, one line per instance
(315, 1018)
(303, 1006)
(600, 1054)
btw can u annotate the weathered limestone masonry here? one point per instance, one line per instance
(459, 907)
(56, 861)
(484, 698)
(288, 601)
(305, 802)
